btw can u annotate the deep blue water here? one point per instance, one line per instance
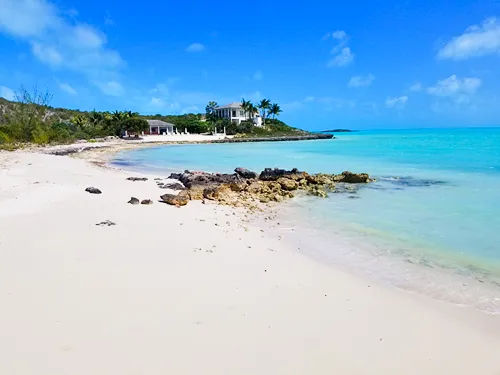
(437, 196)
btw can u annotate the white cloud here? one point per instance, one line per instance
(397, 102)
(309, 99)
(47, 54)
(474, 42)
(66, 87)
(342, 54)
(195, 47)
(344, 58)
(417, 86)
(339, 34)
(359, 81)
(110, 88)
(27, 18)
(455, 87)
(55, 39)
(7, 93)
(258, 75)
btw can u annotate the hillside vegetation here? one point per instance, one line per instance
(31, 119)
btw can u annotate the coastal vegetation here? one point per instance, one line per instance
(31, 119)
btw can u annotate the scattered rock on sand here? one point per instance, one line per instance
(175, 200)
(107, 223)
(137, 179)
(93, 190)
(147, 201)
(133, 200)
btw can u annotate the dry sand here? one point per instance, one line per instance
(195, 290)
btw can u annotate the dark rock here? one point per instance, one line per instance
(408, 181)
(270, 174)
(175, 176)
(137, 179)
(175, 200)
(147, 201)
(133, 200)
(245, 173)
(93, 190)
(107, 223)
(190, 179)
(173, 186)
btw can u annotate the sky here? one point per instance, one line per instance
(328, 64)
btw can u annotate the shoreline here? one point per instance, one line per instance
(413, 283)
(168, 285)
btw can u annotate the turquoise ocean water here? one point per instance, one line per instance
(435, 205)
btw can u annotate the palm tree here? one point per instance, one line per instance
(275, 110)
(264, 105)
(79, 121)
(96, 117)
(244, 106)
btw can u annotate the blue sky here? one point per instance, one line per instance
(356, 64)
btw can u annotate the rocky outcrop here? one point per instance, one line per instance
(147, 202)
(93, 190)
(175, 200)
(271, 185)
(137, 179)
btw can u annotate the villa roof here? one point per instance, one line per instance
(159, 123)
(230, 105)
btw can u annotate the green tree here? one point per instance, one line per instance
(210, 111)
(275, 110)
(29, 113)
(133, 124)
(264, 105)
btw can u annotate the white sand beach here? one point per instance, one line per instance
(195, 290)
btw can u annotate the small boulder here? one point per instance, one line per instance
(245, 173)
(175, 200)
(137, 179)
(354, 178)
(147, 201)
(93, 190)
(133, 200)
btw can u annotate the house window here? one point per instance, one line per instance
(234, 113)
(241, 114)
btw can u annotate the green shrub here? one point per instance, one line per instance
(134, 124)
(40, 136)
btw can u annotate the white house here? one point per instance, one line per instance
(160, 127)
(235, 113)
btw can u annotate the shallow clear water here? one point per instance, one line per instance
(436, 200)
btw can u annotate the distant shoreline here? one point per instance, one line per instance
(339, 131)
